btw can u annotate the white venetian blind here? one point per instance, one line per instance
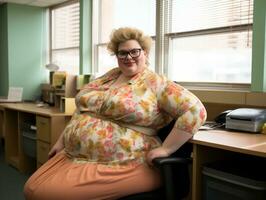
(65, 37)
(207, 14)
(65, 29)
(216, 34)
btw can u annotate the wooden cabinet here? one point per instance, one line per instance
(50, 123)
(48, 131)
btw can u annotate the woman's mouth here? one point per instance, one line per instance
(129, 64)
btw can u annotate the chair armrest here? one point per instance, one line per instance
(174, 168)
(171, 161)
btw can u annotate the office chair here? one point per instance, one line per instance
(174, 171)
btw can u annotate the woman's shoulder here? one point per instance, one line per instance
(109, 74)
(152, 77)
(100, 80)
(150, 74)
(159, 81)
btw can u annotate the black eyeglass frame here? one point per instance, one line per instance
(126, 53)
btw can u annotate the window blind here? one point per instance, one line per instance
(211, 17)
(209, 14)
(65, 27)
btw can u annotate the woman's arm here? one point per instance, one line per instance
(189, 112)
(58, 146)
(172, 142)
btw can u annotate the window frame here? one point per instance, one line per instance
(164, 45)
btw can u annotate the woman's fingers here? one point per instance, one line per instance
(156, 153)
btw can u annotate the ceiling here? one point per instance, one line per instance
(39, 3)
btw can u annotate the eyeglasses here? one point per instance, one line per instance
(134, 53)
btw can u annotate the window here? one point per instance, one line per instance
(203, 41)
(209, 40)
(65, 37)
(111, 14)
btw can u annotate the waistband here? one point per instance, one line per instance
(145, 130)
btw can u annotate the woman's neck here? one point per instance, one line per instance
(121, 80)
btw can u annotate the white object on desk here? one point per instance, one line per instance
(246, 119)
(14, 95)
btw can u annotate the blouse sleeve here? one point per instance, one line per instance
(182, 105)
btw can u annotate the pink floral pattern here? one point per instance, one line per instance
(147, 100)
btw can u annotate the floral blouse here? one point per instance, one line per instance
(95, 134)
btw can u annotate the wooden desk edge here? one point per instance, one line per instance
(255, 140)
(32, 108)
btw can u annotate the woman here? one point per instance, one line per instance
(108, 145)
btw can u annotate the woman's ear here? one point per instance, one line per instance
(147, 57)
(145, 54)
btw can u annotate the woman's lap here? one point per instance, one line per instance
(59, 178)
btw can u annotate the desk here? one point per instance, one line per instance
(213, 145)
(50, 123)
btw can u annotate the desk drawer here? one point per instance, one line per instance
(43, 128)
(43, 149)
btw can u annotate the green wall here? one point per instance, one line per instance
(85, 37)
(24, 52)
(258, 47)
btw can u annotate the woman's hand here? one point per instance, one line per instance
(157, 153)
(55, 149)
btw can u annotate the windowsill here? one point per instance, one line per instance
(216, 86)
(236, 97)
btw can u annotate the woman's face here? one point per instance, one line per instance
(131, 58)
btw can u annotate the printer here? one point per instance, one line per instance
(246, 119)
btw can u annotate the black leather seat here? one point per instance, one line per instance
(174, 171)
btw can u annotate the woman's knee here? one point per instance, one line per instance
(27, 191)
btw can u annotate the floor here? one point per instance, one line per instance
(11, 180)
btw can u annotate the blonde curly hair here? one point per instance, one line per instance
(124, 34)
